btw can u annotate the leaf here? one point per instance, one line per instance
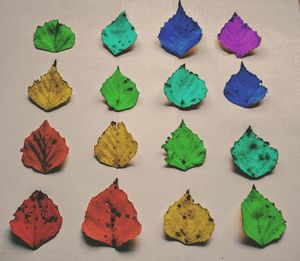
(184, 149)
(115, 147)
(119, 91)
(237, 37)
(254, 156)
(44, 149)
(180, 33)
(119, 35)
(111, 218)
(51, 91)
(185, 88)
(244, 88)
(262, 221)
(188, 222)
(37, 220)
(54, 37)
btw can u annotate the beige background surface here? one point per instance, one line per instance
(149, 183)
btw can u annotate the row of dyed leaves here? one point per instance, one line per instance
(184, 89)
(45, 150)
(111, 219)
(178, 35)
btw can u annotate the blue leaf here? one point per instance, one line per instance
(244, 88)
(180, 33)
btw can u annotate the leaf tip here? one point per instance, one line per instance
(55, 62)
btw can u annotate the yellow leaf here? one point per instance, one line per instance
(51, 91)
(116, 146)
(188, 222)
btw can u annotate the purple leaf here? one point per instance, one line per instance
(237, 37)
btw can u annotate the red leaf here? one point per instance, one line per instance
(37, 220)
(44, 149)
(111, 218)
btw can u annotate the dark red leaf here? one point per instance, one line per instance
(37, 220)
(111, 218)
(44, 149)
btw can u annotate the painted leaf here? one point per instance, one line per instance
(180, 33)
(44, 149)
(188, 222)
(119, 35)
(54, 37)
(262, 221)
(254, 156)
(244, 88)
(184, 149)
(51, 91)
(115, 147)
(111, 218)
(37, 220)
(237, 37)
(119, 92)
(185, 88)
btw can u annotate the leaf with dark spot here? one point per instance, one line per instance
(111, 218)
(37, 220)
(44, 149)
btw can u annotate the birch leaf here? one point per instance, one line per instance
(184, 149)
(115, 147)
(254, 156)
(119, 91)
(37, 220)
(262, 221)
(51, 91)
(111, 218)
(54, 37)
(188, 222)
(44, 149)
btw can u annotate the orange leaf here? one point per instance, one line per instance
(111, 218)
(44, 149)
(37, 220)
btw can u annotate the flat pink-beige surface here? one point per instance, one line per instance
(150, 185)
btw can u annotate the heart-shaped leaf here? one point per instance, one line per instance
(51, 91)
(254, 156)
(188, 222)
(262, 221)
(37, 220)
(115, 147)
(119, 35)
(237, 37)
(184, 149)
(185, 88)
(54, 37)
(119, 91)
(244, 88)
(44, 149)
(180, 33)
(111, 218)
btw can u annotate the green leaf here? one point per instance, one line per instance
(262, 221)
(184, 88)
(119, 92)
(119, 35)
(184, 149)
(54, 37)
(254, 156)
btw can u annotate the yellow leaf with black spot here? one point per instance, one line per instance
(115, 147)
(51, 91)
(188, 222)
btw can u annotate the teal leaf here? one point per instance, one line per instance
(254, 156)
(184, 88)
(54, 37)
(119, 35)
(261, 220)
